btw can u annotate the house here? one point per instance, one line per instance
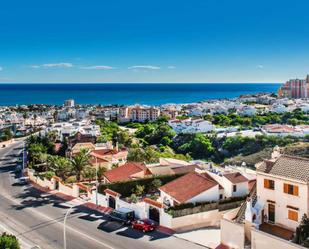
(282, 191)
(190, 188)
(108, 157)
(234, 184)
(171, 166)
(129, 171)
(278, 108)
(80, 146)
(247, 110)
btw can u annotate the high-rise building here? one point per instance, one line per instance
(69, 103)
(295, 88)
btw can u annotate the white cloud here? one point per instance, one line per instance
(144, 67)
(260, 66)
(171, 67)
(98, 67)
(54, 65)
(1, 68)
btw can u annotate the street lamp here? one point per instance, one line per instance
(96, 183)
(65, 222)
(64, 225)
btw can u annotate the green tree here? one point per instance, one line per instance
(79, 162)
(89, 173)
(60, 165)
(9, 242)
(35, 151)
(302, 232)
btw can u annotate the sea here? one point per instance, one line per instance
(126, 93)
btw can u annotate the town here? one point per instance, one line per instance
(225, 173)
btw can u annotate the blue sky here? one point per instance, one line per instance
(153, 40)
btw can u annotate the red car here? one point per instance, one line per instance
(145, 225)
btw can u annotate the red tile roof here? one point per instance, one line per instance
(111, 192)
(235, 177)
(153, 202)
(125, 172)
(188, 186)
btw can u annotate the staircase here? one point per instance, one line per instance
(240, 217)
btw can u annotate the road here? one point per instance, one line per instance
(37, 218)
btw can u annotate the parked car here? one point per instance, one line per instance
(23, 180)
(145, 225)
(124, 215)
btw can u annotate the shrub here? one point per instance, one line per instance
(9, 242)
(139, 190)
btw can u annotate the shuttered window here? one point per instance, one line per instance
(270, 184)
(293, 215)
(290, 189)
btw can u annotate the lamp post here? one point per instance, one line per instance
(64, 226)
(96, 183)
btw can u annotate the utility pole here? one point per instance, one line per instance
(96, 169)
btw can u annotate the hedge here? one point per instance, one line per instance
(126, 188)
(198, 207)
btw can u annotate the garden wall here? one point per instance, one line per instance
(261, 240)
(232, 234)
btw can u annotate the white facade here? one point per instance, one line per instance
(282, 201)
(211, 194)
(191, 126)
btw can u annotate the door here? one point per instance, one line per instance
(271, 213)
(154, 214)
(111, 202)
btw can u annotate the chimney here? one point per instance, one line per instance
(276, 152)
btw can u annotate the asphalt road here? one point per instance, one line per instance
(37, 218)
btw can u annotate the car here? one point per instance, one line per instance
(23, 180)
(124, 215)
(145, 225)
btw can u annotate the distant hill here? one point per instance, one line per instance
(297, 149)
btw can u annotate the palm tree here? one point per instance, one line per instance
(79, 162)
(89, 173)
(101, 171)
(60, 165)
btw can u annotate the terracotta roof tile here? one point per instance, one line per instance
(287, 166)
(235, 177)
(188, 186)
(125, 172)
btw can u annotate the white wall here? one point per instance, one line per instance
(211, 194)
(139, 208)
(102, 199)
(261, 240)
(232, 234)
(282, 199)
(242, 189)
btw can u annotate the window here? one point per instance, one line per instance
(220, 196)
(234, 188)
(290, 189)
(270, 184)
(293, 215)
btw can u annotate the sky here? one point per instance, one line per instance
(153, 41)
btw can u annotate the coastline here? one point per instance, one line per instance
(127, 93)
